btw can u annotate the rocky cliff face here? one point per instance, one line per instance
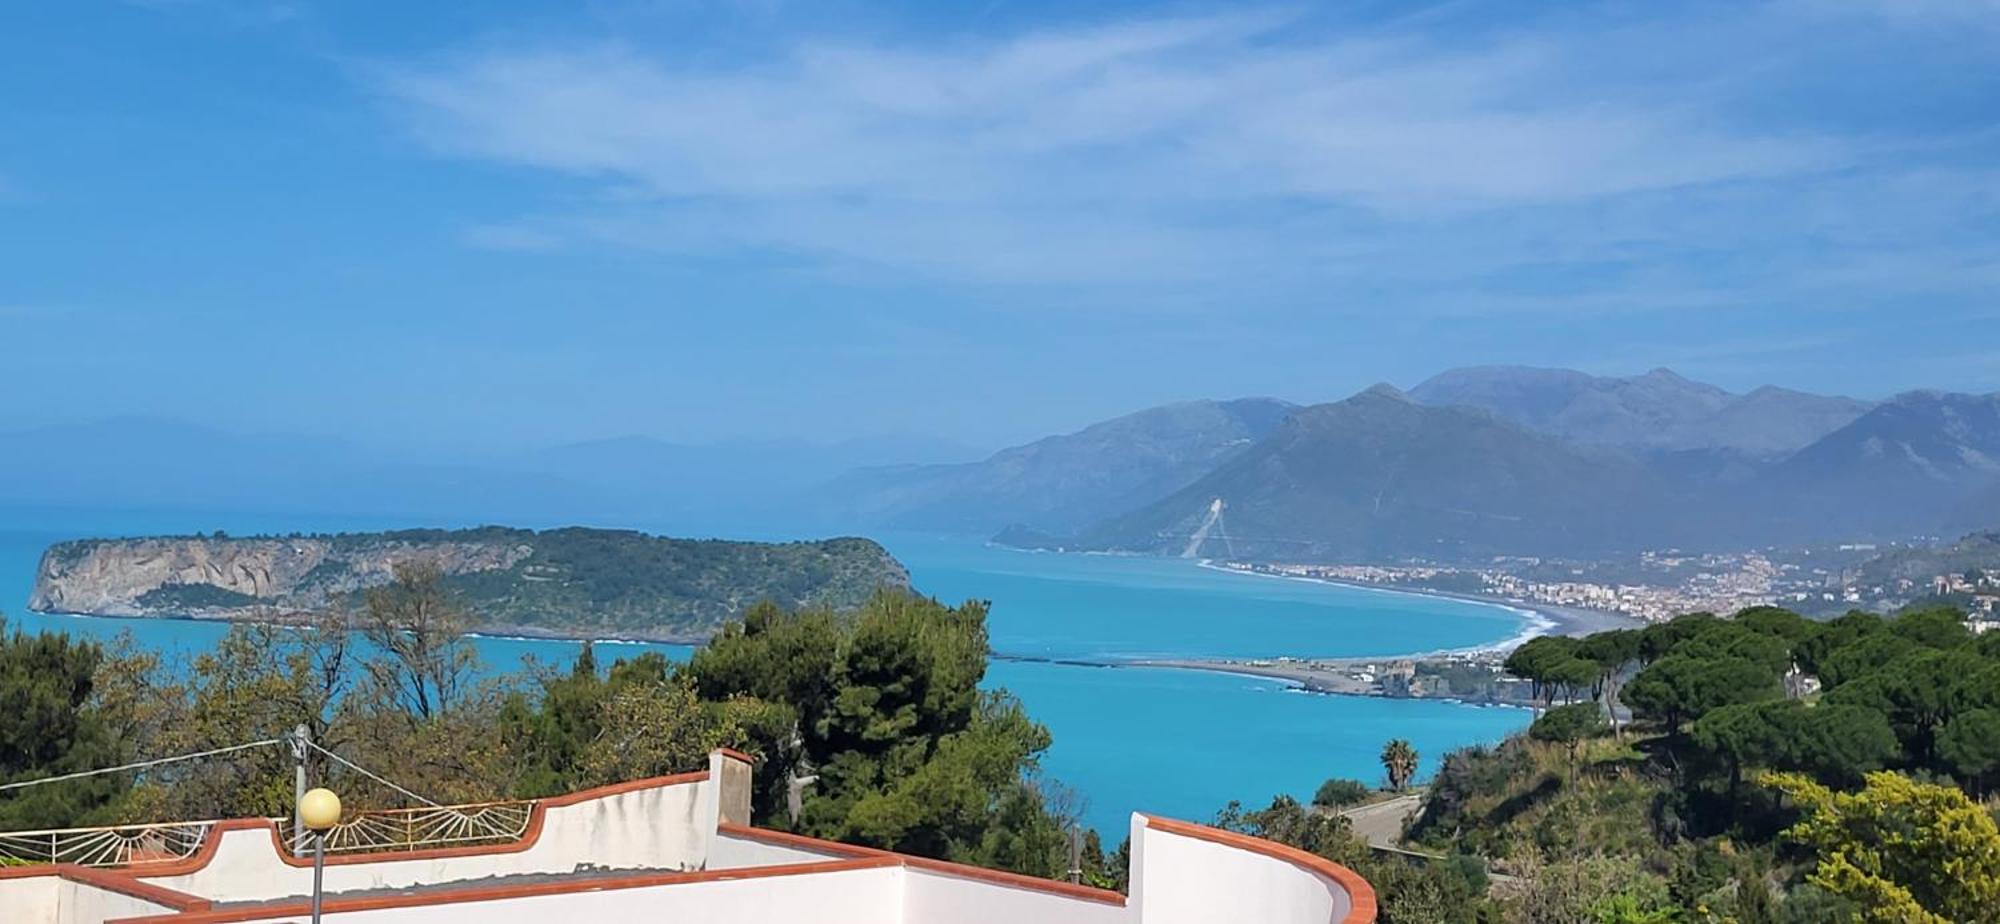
(140, 577)
(588, 583)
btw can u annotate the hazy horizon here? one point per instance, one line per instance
(914, 448)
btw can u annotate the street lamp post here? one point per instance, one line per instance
(318, 811)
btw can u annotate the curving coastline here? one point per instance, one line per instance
(1337, 675)
(1539, 618)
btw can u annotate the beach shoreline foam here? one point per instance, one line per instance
(1311, 675)
(1537, 619)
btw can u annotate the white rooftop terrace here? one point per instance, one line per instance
(678, 848)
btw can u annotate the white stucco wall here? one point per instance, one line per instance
(930, 897)
(1181, 874)
(29, 899)
(1185, 880)
(868, 896)
(52, 899)
(732, 851)
(657, 828)
(87, 904)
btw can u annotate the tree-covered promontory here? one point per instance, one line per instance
(565, 583)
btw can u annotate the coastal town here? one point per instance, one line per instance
(1577, 598)
(1750, 582)
(1659, 585)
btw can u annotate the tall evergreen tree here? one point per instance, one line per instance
(49, 726)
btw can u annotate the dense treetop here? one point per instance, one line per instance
(1736, 800)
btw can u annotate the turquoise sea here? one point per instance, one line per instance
(1174, 742)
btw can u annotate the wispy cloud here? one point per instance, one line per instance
(1228, 152)
(1121, 111)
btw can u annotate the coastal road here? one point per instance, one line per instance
(1381, 826)
(1381, 823)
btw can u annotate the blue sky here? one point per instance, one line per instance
(506, 224)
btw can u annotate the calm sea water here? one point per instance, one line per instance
(1173, 742)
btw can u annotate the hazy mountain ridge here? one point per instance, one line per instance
(1625, 412)
(1062, 483)
(1513, 461)
(1771, 420)
(1657, 411)
(1923, 461)
(1381, 475)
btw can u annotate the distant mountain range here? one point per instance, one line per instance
(1064, 483)
(1920, 462)
(1380, 475)
(1656, 411)
(1474, 462)
(1501, 460)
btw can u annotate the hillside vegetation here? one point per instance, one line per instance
(1775, 770)
(882, 708)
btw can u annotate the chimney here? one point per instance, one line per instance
(729, 772)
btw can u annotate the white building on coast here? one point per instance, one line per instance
(677, 848)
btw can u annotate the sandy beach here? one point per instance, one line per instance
(1539, 618)
(1336, 675)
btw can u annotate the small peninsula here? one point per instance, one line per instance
(565, 583)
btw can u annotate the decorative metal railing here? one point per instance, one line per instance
(419, 828)
(122, 845)
(477, 824)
